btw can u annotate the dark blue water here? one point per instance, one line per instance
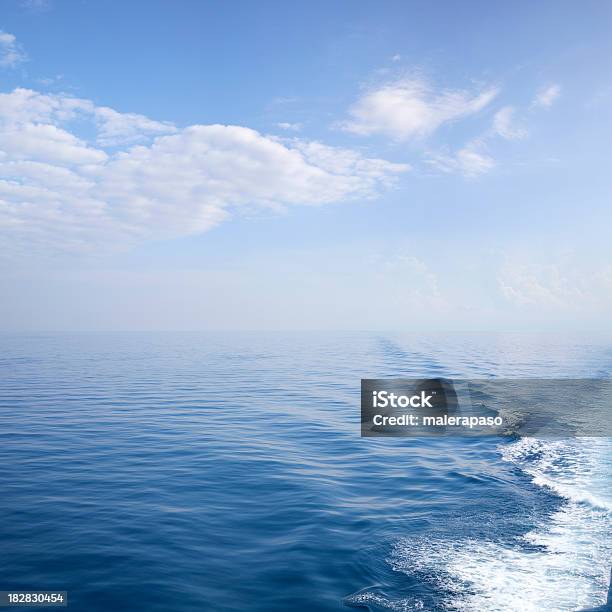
(225, 472)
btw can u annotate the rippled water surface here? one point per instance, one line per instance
(185, 471)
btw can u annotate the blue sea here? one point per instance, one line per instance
(226, 472)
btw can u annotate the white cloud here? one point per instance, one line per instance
(46, 81)
(504, 126)
(470, 161)
(112, 128)
(59, 188)
(44, 142)
(123, 128)
(11, 52)
(410, 108)
(546, 97)
(561, 285)
(344, 162)
(292, 127)
(26, 106)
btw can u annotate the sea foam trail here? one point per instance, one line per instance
(562, 564)
(578, 470)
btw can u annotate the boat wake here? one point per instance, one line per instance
(561, 564)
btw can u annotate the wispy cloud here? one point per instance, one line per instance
(116, 128)
(473, 159)
(547, 96)
(292, 127)
(563, 285)
(59, 188)
(411, 108)
(505, 126)
(470, 161)
(11, 53)
(46, 81)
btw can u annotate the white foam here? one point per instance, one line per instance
(378, 600)
(485, 576)
(564, 563)
(579, 469)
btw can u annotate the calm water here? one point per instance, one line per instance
(182, 472)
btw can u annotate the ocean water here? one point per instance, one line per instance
(225, 472)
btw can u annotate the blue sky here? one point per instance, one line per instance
(346, 165)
